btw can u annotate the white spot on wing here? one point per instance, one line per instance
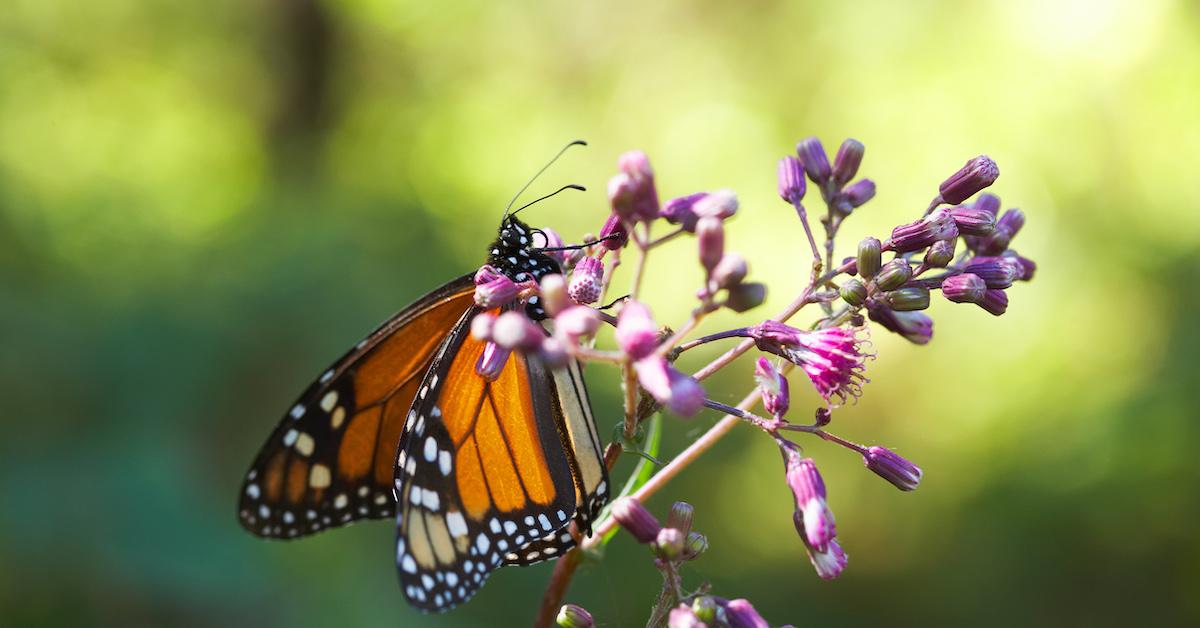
(444, 463)
(297, 411)
(430, 449)
(456, 524)
(329, 401)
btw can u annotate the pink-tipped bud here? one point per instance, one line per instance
(996, 272)
(721, 204)
(710, 234)
(620, 195)
(682, 616)
(633, 516)
(514, 330)
(644, 197)
(741, 614)
(938, 225)
(973, 222)
(481, 326)
(681, 394)
(830, 562)
(496, 293)
(773, 386)
(809, 491)
(730, 271)
(576, 322)
(816, 162)
(491, 362)
(681, 211)
(613, 234)
(572, 616)
(977, 174)
(792, 184)
(553, 289)
(637, 334)
(586, 281)
(964, 288)
(486, 273)
(849, 157)
(890, 466)
(995, 302)
(669, 543)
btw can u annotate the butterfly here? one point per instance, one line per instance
(476, 473)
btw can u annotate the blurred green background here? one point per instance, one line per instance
(202, 204)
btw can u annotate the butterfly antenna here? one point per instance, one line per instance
(571, 186)
(538, 174)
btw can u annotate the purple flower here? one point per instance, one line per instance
(679, 211)
(973, 222)
(964, 288)
(679, 393)
(890, 466)
(816, 162)
(917, 327)
(497, 292)
(791, 180)
(637, 334)
(1007, 228)
(586, 281)
(710, 236)
(995, 302)
(988, 202)
(721, 204)
(978, 173)
(486, 273)
(938, 225)
(1026, 267)
(773, 386)
(741, 614)
(829, 562)
(849, 157)
(491, 362)
(636, 520)
(996, 272)
(613, 233)
(830, 357)
(856, 194)
(809, 491)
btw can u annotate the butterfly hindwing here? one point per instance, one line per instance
(330, 460)
(483, 473)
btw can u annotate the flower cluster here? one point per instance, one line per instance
(960, 245)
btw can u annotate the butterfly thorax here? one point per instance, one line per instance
(515, 254)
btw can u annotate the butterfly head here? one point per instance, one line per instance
(515, 253)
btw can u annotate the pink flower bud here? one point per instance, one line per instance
(633, 516)
(809, 491)
(553, 289)
(677, 392)
(514, 330)
(637, 334)
(553, 353)
(575, 322)
(682, 617)
(773, 386)
(829, 562)
(710, 234)
(721, 204)
(730, 271)
(977, 174)
(644, 196)
(491, 362)
(680, 211)
(996, 272)
(741, 614)
(586, 281)
(613, 234)
(620, 194)
(973, 222)
(816, 162)
(890, 466)
(481, 326)
(849, 157)
(498, 292)
(791, 180)
(938, 225)
(995, 302)
(858, 193)
(486, 273)
(965, 288)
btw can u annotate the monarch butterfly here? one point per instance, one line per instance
(478, 473)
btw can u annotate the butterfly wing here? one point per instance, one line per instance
(573, 412)
(484, 471)
(331, 459)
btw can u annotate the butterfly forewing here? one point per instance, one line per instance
(483, 472)
(330, 461)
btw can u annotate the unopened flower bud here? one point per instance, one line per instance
(822, 417)
(940, 253)
(853, 292)
(572, 616)
(996, 272)
(613, 234)
(741, 614)
(977, 174)
(868, 257)
(481, 326)
(669, 543)
(695, 545)
(964, 288)
(746, 296)
(973, 222)
(1012, 221)
(553, 289)
(858, 193)
(890, 466)
(851, 265)
(637, 334)
(575, 322)
(988, 202)
(730, 271)
(636, 520)
(682, 617)
(681, 516)
(486, 273)
(849, 157)
(514, 330)
(907, 299)
(1025, 266)
(916, 327)
(791, 180)
(681, 211)
(809, 491)
(938, 225)
(678, 393)
(620, 195)
(705, 608)
(893, 274)
(773, 386)
(496, 293)
(995, 302)
(829, 562)
(586, 281)
(721, 204)
(643, 195)
(816, 163)
(710, 235)
(491, 362)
